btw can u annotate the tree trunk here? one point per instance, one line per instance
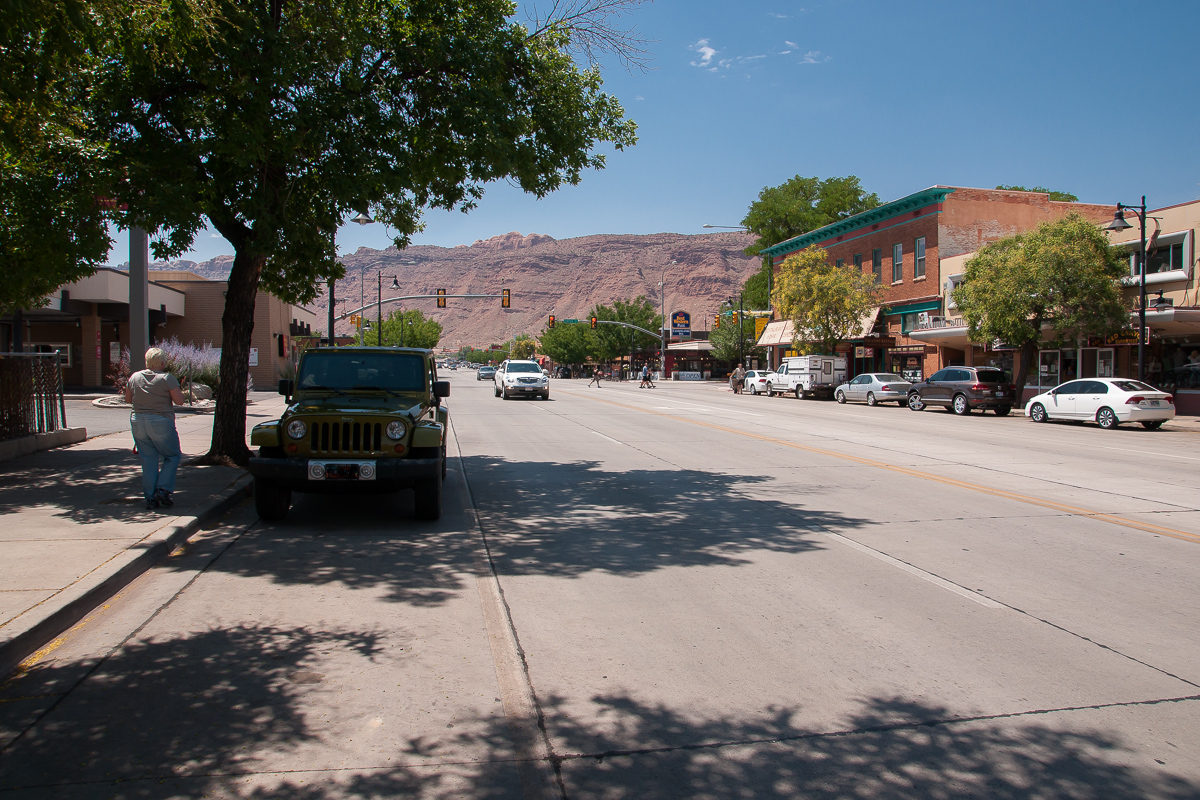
(237, 326)
(1029, 352)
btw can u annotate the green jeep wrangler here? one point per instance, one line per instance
(359, 419)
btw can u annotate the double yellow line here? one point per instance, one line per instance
(1148, 527)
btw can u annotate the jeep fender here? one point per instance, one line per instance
(428, 434)
(265, 434)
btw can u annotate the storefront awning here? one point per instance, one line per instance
(866, 324)
(779, 332)
(1171, 322)
(690, 346)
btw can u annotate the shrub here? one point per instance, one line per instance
(191, 363)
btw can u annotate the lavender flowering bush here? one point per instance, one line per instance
(190, 363)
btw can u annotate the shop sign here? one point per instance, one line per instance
(843, 348)
(859, 352)
(690, 376)
(1124, 337)
(879, 341)
(254, 356)
(909, 348)
(760, 325)
(997, 346)
(868, 352)
(681, 324)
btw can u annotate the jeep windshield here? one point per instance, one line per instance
(342, 372)
(519, 367)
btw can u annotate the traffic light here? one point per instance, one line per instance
(593, 323)
(551, 323)
(441, 293)
(735, 318)
(716, 322)
(506, 301)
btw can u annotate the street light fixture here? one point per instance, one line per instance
(362, 218)
(1119, 224)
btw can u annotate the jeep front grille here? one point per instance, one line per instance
(350, 438)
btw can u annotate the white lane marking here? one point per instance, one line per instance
(713, 409)
(920, 573)
(602, 436)
(1148, 453)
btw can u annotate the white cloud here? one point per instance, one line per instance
(639, 97)
(814, 57)
(706, 54)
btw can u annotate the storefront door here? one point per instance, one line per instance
(1097, 362)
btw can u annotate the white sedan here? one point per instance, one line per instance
(1108, 401)
(873, 388)
(756, 381)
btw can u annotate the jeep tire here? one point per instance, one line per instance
(427, 498)
(271, 499)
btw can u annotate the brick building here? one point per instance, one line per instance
(904, 244)
(87, 322)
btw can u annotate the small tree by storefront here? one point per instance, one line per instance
(825, 302)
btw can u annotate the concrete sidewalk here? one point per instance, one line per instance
(76, 529)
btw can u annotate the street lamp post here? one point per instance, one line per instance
(662, 312)
(379, 309)
(1119, 224)
(361, 219)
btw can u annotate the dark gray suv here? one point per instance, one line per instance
(961, 389)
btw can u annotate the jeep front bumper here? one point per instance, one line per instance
(390, 474)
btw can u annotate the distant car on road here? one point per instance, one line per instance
(485, 373)
(1106, 401)
(962, 389)
(873, 388)
(522, 378)
(757, 381)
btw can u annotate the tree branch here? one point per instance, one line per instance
(591, 28)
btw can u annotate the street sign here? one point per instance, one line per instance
(570, 321)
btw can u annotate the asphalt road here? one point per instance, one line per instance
(664, 593)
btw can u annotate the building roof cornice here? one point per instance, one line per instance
(917, 200)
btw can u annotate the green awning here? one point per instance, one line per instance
(914, 308)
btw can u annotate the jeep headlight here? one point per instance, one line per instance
(395, 429)
(297, 429)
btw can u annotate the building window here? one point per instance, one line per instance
(1164, 258)
(919, 258)
(841, 261)
(877, 264)
(909, 322)
(897, 263)
(858, 261)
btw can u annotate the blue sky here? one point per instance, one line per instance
(1093, 97)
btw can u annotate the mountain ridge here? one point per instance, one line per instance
(565, 277)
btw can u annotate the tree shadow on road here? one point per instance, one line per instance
(542, 518)
(207, 714)
(891, 748)
(239, 714)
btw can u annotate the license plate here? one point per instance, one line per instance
(999, 394)
(341, 470)
(1154, 403)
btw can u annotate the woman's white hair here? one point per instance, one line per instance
(156, 359)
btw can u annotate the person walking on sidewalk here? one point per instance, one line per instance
(154, 395)
(596, 374)
(739, 379)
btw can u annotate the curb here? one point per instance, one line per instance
(41, 624)
(27, 445)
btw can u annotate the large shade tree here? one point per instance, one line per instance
(825, 302)
(284, 118)
(568, 343)
(1058, 283)
(801, 205)
(612, 341)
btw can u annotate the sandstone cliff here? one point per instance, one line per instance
(546, 276)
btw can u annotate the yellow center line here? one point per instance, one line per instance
(1148, 527)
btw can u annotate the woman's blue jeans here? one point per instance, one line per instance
(156, 439)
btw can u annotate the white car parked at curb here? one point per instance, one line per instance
(1107, 401)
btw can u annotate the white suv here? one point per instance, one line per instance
(516, 378)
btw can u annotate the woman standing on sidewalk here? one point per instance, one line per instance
(152, 393)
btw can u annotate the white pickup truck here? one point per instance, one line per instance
(806, 376)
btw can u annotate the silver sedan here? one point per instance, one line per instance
(873, 388)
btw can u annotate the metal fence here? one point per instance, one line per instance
(31, 394)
